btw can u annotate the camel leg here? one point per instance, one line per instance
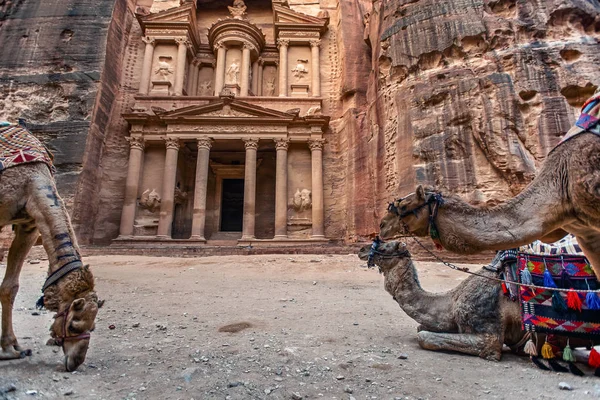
(482, 345)
(25, 237)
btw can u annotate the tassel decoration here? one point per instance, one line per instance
(565, 279)
(592, 300)
(530, 348)
(594, 360)
(573, 300)
(547, 351)
(548, 281)
(568, 354)
(526, 276)
(558, 303)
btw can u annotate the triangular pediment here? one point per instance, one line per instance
(230, 109)
(177, 14)
(284, 16)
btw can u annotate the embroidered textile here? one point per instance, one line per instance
(18, 146)
(589, 120)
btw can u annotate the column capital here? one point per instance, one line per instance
(136, 142)
(247, 46)
(281, 144)
(172, 143)
(181, 41)
(220, 45)
(315, 43)
(251, 143)
(204, 143)
(316, 144)
(261, 61)
(283, 43)
(149, 40)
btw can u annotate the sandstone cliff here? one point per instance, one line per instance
(468, 95)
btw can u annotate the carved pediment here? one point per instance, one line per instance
(182, 13)
(284, 17)
(227, 109)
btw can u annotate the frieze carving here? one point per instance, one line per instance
(136, 142)
(281, 144)
(204, 143)
(172, 143)
(316, 144)
(251, 143)
(300, 34)
(150, 200)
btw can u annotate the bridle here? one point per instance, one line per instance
(433, 202)
(60, 340)
(374, 251)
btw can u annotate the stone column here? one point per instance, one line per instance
(136, 153)
(147, 64)
(200, 187)
(283, 66)
(281, 189)
(316, 79)
(259, 77)
(249, 189)
(255, 78)
(193, 77)
(245, 70)
(316, 149)
(220, 70)
(180, 71)
(168, 190)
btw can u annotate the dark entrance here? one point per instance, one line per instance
(232, 205)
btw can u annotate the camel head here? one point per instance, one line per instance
(385, 255)
(409, 214)
(77, 305)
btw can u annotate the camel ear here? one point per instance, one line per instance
(78, 304)
(420, 192)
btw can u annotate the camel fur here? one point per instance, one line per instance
(473, 318)
(563, 197)
(30, 202)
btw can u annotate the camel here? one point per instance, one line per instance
(473, 318)
(563, 197)
(30, 202)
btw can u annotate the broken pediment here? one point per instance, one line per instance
(284, 17)
(173, 16)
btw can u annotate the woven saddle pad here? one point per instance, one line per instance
(19, 146)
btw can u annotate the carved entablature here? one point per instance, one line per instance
(236, 31)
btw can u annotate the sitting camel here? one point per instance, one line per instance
(563, 197)
(473, 318)
(30, 202)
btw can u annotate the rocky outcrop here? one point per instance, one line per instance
(471, 95)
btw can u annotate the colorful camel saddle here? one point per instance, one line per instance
(572, 312)
(589, 120)
(19, 146)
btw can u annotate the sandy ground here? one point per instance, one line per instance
(315, 327)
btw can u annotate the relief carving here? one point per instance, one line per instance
(270, 86)
(233, 72)
(302, 200)
(150, 200)
(163, 69)
(206, 88)
(180, 196)
(238, 11)
(300, 70)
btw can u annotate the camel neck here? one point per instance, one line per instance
(63, 252)
(429, 309)
(467, 229)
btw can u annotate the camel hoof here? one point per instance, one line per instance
(25, 353)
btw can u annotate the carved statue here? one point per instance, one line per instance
(314, 110)
(150, 200)
(206, 88)
(238, 11)
(300, 70)
(270, 86)
(302, 200)
(233, 72)
(163, 69)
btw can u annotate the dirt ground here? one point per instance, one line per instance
(305, 327)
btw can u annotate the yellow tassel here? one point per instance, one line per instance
(547, 351)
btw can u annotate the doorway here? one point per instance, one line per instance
(232, 205)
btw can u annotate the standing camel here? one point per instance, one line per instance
(30, 203)
(563, 197)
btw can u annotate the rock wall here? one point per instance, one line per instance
(467, 95)
(53, 53)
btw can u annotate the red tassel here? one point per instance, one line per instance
(573, 300)
(594, 360)
(504, 289)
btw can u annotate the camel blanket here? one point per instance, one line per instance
(589, 120)
(18, 146)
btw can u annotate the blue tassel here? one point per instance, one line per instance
(558, 303)
(592, 300)
(526, 276)
(548, 281)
